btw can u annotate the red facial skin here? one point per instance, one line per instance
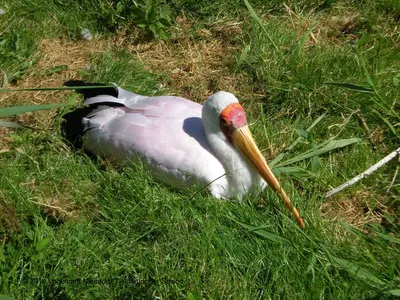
(232, 117)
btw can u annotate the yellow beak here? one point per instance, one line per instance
(244, 143)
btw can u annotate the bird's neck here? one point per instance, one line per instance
(241, 176)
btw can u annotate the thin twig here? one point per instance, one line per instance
(363, 122)
(298, 140)
(364, 174)
(206, 186)
(51, 206)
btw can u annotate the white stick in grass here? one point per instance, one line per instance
(364, 174)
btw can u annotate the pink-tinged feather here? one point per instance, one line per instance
(165, 131)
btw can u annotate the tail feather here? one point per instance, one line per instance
(72, 127)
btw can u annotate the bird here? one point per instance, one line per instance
(181, 142)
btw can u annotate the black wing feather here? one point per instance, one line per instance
(89, 93)
(71, 126)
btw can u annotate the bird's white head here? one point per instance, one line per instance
(221, 112)
(217, 102)
(225, 119)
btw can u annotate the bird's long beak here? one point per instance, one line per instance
(244, 143)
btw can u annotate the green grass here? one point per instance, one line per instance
(126, 226)
(144, 239)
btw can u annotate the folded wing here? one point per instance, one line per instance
(165, 132)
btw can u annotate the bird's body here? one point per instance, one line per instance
(182, 143)
(167, 133)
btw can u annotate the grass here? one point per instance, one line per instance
(73, 227)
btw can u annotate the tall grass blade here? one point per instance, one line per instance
(356, 270)
(381, 103)
(288, 149)
(366, 73)
(362, 40)
(17, 110)
(386, 121)
(353, 87)
(61, 88)
(315, 122)
(321, 149)
(305, 38)
(5, 297)
(384, 236)
(394, 292)
(389, 238)
(258, 20)
(42, 244)
(277, 159)
(352, 229)
(293, 171)
(302, 133)
(9, 124)
(243, 55)
(262, 232)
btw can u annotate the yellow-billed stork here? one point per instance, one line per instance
(183, 143)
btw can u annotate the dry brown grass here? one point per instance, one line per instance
(329, 28)
(335, 27)
(196, 67)
(8, 220)
(58, 209)
(58, 205)
(50, 54)
(5, 139)
(8, 217)
(355, 209)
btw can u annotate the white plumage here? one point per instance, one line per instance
(183, 143)
(169, 134)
